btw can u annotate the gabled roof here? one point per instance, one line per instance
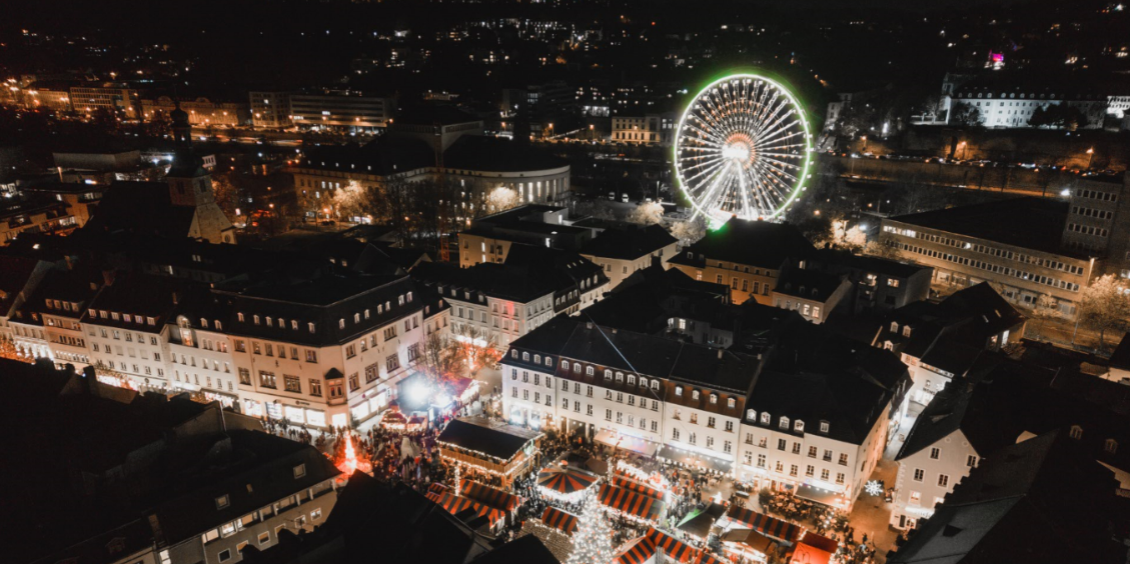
(760, 244)
(628, 244)
(483, 435)
(144, 208)
(1039, 501)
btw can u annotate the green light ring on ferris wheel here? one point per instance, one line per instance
(807, 150)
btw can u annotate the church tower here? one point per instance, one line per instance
(190, 185)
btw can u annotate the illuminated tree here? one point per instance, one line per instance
(592, 543)
(647, 213)
(690, 231)
(501, 199)
(439, 359)
(882, 250)
(1104, 305)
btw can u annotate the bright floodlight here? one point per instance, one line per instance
(743, 148)
(419, 393)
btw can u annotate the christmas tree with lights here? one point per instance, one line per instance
(592, 543)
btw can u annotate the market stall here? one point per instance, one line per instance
(560, 520)
(632, 505)
(491, 497)
(636, 551)
(564, 483)
(673, 548)
(469, 511)
(740, 517)
(483, 445)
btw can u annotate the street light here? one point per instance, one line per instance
(1090, 155)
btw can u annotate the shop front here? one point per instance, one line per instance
(695, 460)
(630, 443)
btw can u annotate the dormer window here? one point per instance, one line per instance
(731, 403)
(783, 423)
(679, 391)
(1110, 446)
(589, 371)
(798, 426)
(222, 501)
(894, 327)
(576, 368)
(1076, 432)
(299, 471)
(655, 385)
(764, 418)
(751, 415)
(694, 394)
(514, 353)
(607, 374)
(906, 331)
(643, 382)
(619, 377)
(565, 364)
(824, 426)
(713, 399)
(526, 356)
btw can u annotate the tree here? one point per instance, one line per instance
(690, 231)
(501, 199)
(592, 543)
(964, 114)
(1104, 305)
(440, 358)
(882, 250)
(225, 193)
(647, 213)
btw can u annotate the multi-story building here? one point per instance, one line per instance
(51, 95)
(127, 328)
(451, 150)
(270, 109)
(940, 341)
(325, 349)
(109, 96)
(346, 110)
(201, 111)
(48, 324)
(946, 442)
(879, 284)
(623, 250)
(811, 293)
(636, 130)
(494, 304)
(747, 256)
(1011, 105)
(489, 238)
(668, 367)
(1016, 244)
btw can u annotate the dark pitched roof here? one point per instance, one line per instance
(144, 208)
(755, 243)
(1120, 358)
(384, 156)
(808, 284)
(1038, 501)
(1029, 223)
(496, 154)
(483, 435)
(526, 550)
(628, 244)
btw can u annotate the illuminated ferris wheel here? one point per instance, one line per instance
(743, 148)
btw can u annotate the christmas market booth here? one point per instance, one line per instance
(699, 522)
(482, 445)
(476, 515)
(394, 420)
(565, 483)
(742, 518)
(633, 505)
(494, 498)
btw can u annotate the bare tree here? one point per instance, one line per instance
(647, 213)
(1104, 305)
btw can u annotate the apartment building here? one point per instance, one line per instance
(624, 250)
(747, 256)
(1017, 244)
(347, 109)
(115, 98)
(270, 109)
(488, 238)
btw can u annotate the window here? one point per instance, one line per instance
(843, 459)
(827, 455)
(935, 453)
(299, 471)
(971, 461)
(679, 391)
(761, 461)
(267, 380)
(731, 403)
(264, 537)
(782, 444)
(943, 480)
(915, 498)
(225, 555)
(1076, 432)
(919, 474)
(222, 501)
(245, 376)
(311, 355)
(315, 388)
(292, 383)
(798, 426)
(824, 426)
(1110, 446)
(354, 382)
(751, 415)
(764, 418)
(784, 423)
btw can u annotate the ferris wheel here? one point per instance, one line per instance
(742, 148)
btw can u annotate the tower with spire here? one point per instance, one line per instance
(190, 185)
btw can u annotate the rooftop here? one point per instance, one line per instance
(760, 244)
